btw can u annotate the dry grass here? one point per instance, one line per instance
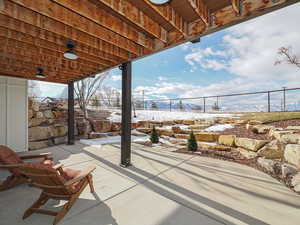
(271, 117)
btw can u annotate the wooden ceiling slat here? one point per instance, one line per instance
(66, 23)
(52, 47)
(91, 48)
(202, 10)
(134, 15)
(111, 22)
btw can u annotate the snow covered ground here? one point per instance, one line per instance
(149, 115)
(219, 127)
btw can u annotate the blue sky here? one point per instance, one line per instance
(240, 58)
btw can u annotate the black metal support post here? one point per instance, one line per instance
(71, 117)
(170, 105)
(284, 99)
(126, 115)
(269, 102)
(204, 104)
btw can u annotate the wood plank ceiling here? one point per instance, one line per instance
(107, 33)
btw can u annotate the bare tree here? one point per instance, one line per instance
(287, 56)
(86, 89)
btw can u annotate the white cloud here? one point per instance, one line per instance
(116, 77)
(249, 49)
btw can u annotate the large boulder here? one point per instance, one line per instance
(207, 136)
(143, 124)
(60, 140)
(30, 113)
(182, 136)
(188, 122)
(292, 154)
(278, 134)
(250, 144)
(262, 129)
(39, 133)
(176, 130)
(228, 140)
(94, 135)
(39, 115)
(48, 114)
(198, 127)
(60, 130)
(115, 126)
(295, 182)
(36, 122)
(272, 150)
(101, 125)
(247, 154)
(165, 132)
(293, 128)
(144, 130)
(35, 106)
(34, 145)
(267, 164)
(290, 138)
(168, 123)
(288, 170)
(83, 127)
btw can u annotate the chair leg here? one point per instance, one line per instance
(60, 215)
(11, 181)
(41, 201)
(90, 180)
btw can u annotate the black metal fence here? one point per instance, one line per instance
(286, 99)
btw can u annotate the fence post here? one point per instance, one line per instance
(170, 105)
(269, 102)
(204, 104)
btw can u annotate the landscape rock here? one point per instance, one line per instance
(144, 130)
(165, 132)
(143, 124)
(262, 129)
(30, 114)
(60, 130)
(36, 122)
(48, 114)
(279, 133)
(101, 125)
(188, 122)
(272, 150)
(94, 135)
(293, 128)
(39, 115)
(39, 133)
(290, 138)
(176, 130)
(34, 145)
(292, 154)
(254, 122)
(267, 164)
(288, 170)
(115, 126)
(228, 140)
(247, 154)
(295, 182)
(178, 121)
(206, 136)
(182, 136)
(250, 144)
(35, 106)
(168, 123)
(83, 127)
(198, 127)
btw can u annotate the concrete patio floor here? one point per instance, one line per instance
(161, 188)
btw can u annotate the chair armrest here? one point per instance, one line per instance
(11, 166)
(81, 176)
(40, 155)
(57, 166)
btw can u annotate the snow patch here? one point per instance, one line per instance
(219, 127)
(149, 115)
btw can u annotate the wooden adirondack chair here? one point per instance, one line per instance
(10, 160)
(56, 183)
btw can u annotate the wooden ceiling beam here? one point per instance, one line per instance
(202, 10)
(227, 16)
(58, 70)
(90, 48)
(236, 6)
(111, 22)
(136, 17)
(170, 15)
(49, 47)
(67, 23)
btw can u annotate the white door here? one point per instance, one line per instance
(13, 113)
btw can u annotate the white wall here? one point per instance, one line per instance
(13, 113)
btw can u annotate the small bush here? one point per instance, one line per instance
(154, 136)
(192, 143)
(254, 131)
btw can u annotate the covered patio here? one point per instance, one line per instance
(161, 188)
